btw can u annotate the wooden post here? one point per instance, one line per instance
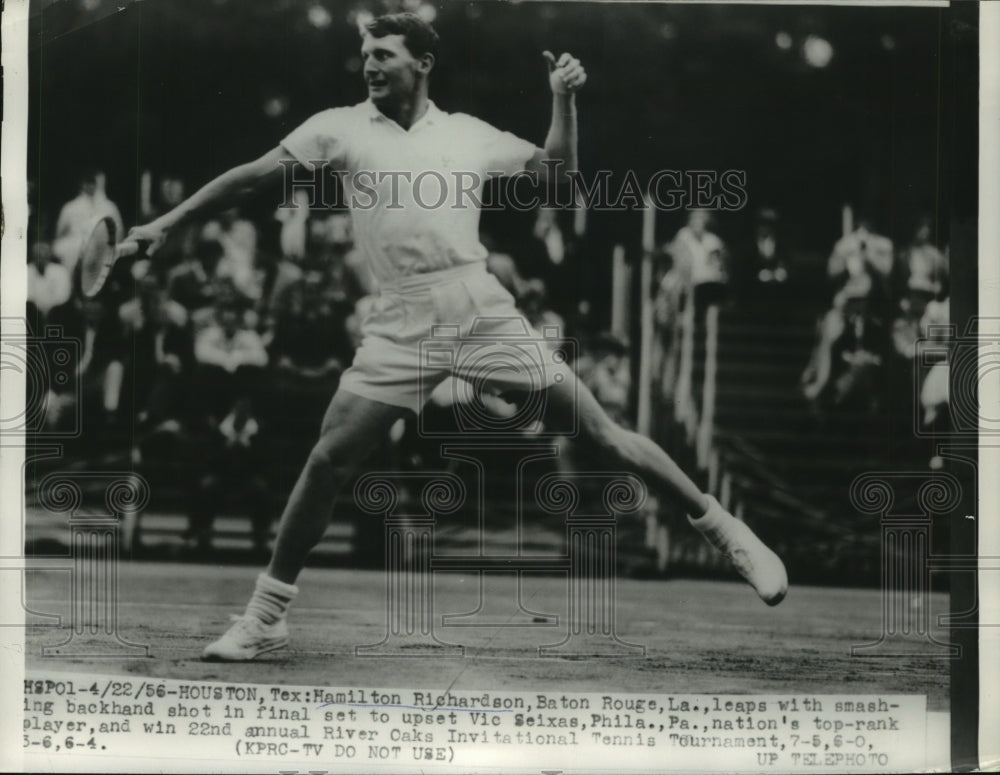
(621, 278)
(644, 409)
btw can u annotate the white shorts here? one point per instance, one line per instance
(457, 322)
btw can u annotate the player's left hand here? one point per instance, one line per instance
(566, 75)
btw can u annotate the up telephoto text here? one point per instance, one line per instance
(430, 189)
(431, 726)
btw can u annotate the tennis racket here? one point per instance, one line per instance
(101, 252)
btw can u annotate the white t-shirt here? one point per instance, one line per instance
(701, 257)
(50, 289)
(413, 194)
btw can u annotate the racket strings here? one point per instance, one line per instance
(97, 256)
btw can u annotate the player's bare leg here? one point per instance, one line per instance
(637, 454)
(351, 429)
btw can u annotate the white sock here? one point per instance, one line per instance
(713, 518)
(270, 599)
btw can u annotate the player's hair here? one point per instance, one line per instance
(418, 36)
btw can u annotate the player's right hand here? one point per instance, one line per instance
(150, 233)
(566, 75)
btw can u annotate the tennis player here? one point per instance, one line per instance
(430, 267)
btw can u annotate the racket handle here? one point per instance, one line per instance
(130, 248)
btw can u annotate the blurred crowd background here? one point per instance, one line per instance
(208, 368)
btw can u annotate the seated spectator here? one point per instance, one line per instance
(189, 282)
(49, 283)
(310, 339)
(934, 396)
(238, 263)
(700, 257)
(547, 230)
(231, 473)
(230, 359)
(606, 372)
(769, 256)
(286, 273)
(294, 225)
(50, 304)
(77, 218)
(921, 277)
(862, 245)
(225, 294)
(159, 352)
(169, 193)
(934, 388)
(852, 327)
(94, 324)
(533, 303)
(922, 272)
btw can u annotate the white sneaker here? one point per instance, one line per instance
(761, 567)
(248, 638)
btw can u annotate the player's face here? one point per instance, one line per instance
(391, 71)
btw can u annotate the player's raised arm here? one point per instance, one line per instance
(215, 195)
(566, 77)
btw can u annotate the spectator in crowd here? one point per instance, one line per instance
(934, 396)
(862, 245)
(169, 193)
(548, 231)
(286, 274)
(849, 343)
(99, 371)
(700, 258)
(934, 386)
(603, 366)
(310, 342)
(238, 263)
(921, 278)
(230, 358)
(770, 259)
(189, 282)
(158, 353)
(49, 284)
(48, 301)
(294, 222)
(689, 293)
(231, 474)
(922, 271)
(547, 252)
(533, 302)
(605, 370)
(77, 217)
